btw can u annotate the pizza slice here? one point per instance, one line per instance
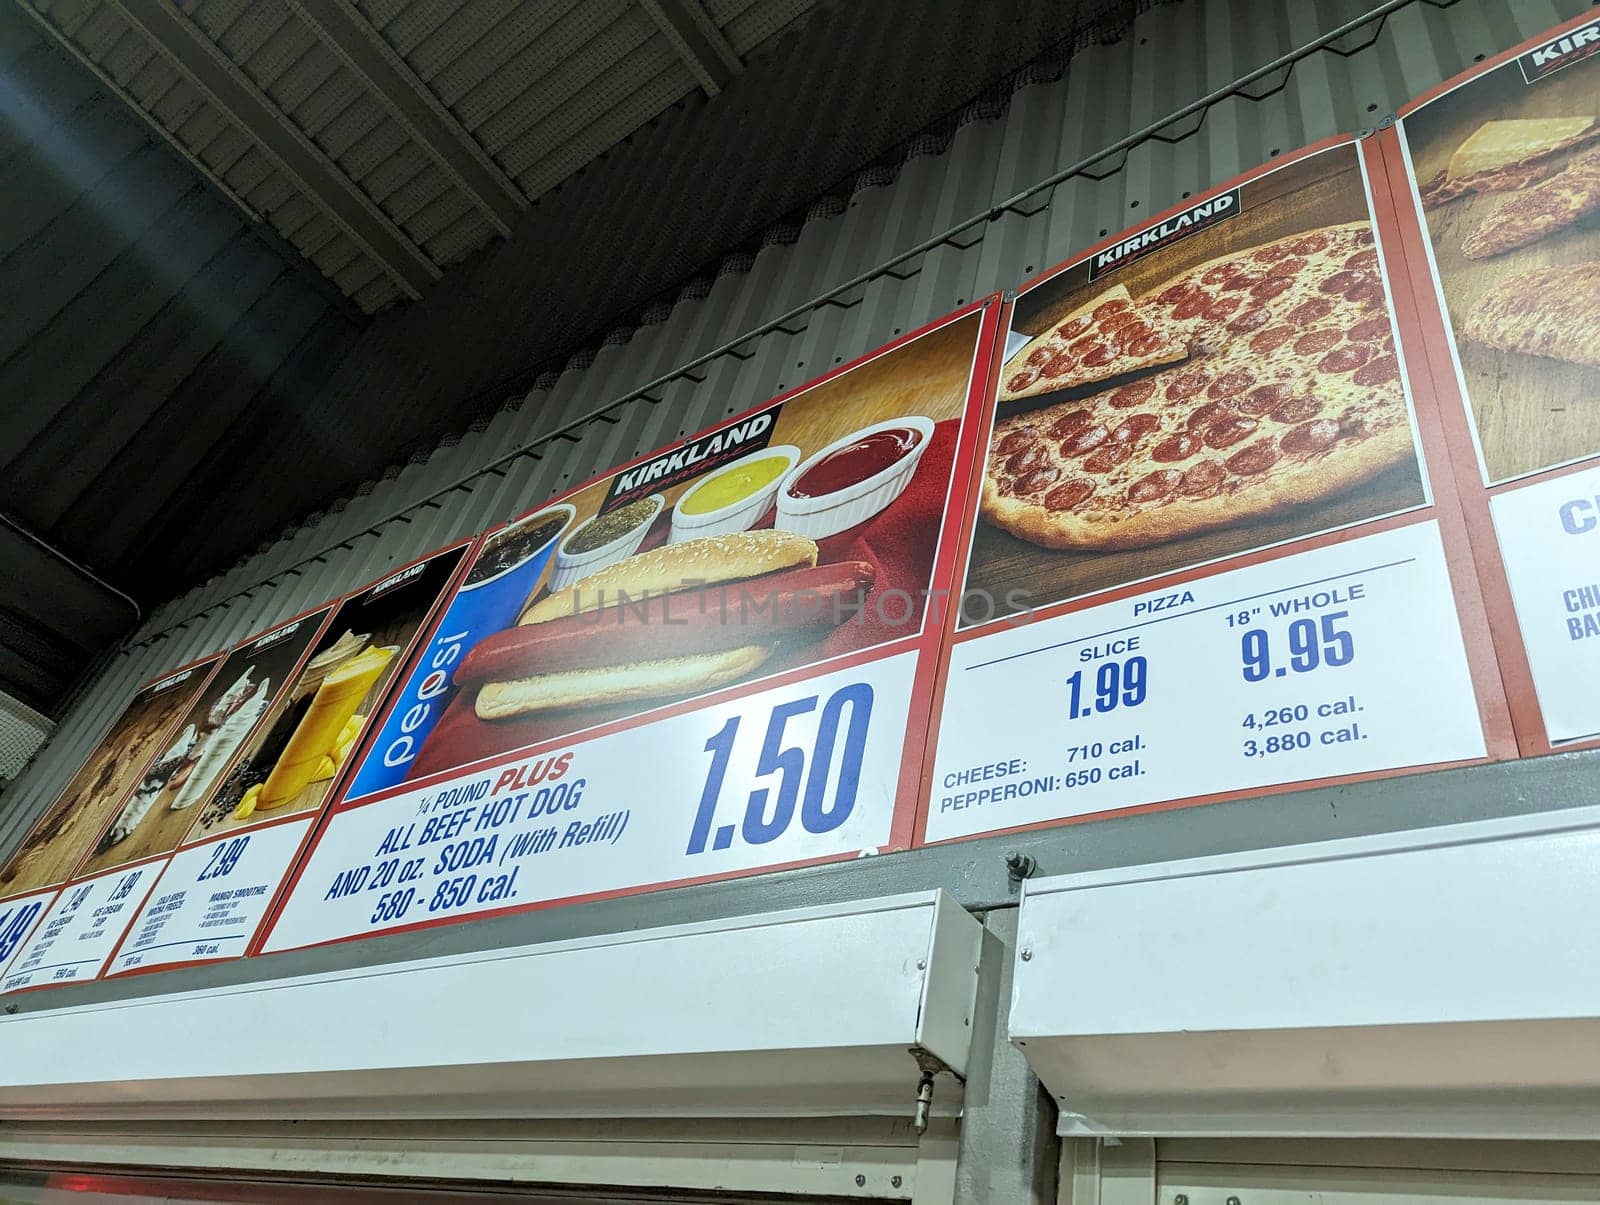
(1565, 198)
(1552, 312)
(1106, 337)
(1503, 156)
(1441, 189)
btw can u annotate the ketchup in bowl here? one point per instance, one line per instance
(855, 462)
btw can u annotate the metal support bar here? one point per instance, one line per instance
(202, 62)
(1009, 1149)
(698, 41)
(110, 84)
(431, 126)
(82, 570)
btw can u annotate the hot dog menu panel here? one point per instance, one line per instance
(714, 660)
(1499, 171)
(1216, 547)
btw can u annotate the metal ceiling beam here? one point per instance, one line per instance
(110, 84)
(433, 127)
(203, 63)
(698, 41)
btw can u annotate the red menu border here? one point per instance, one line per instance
(926, 644)
(1446, 510)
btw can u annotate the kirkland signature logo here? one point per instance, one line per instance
(272, 638)
(169, 683)
(1570, 48)
(693, 458)
(389, 583)
(1163, 234)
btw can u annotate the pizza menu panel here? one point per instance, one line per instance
(1217, 546)
(185, 863)
(1498, 178)
(713, 660)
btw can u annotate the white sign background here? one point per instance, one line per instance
(1549, 537)
(1405, 697)
(15, 929)
(642, 788)
(79, 932)
(190, 919)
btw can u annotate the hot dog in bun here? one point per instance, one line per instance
(674, 620)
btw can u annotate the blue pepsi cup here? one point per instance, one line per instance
(504, 574)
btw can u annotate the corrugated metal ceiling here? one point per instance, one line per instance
(179, 381)
(390, 139)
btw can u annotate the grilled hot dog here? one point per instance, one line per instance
(759, 610)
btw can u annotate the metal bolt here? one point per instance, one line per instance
(1020, 866)
(861, 1181)
(922, 964)
(1181, 1199)
(1233, 1201)
(1027, 956)
(894, 1181)
(11, 1010)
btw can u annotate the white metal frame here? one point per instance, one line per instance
(814, 1012)
(1438, 983)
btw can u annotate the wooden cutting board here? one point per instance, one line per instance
(1531, 412)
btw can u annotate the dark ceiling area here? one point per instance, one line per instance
(206, 338)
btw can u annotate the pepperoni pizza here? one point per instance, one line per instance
(1289, 393)
(1106, 338)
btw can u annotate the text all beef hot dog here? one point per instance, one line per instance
(682, 623)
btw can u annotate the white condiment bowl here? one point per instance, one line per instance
(830, 514)
(573, 566)
(737, 516)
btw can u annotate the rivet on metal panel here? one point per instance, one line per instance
(11, 1010)
(922, 964)
(895, 1181)
(861, 1181)
(1027, 956)
(1181, 1198)
(1233, 1201)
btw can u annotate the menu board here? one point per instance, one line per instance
(1498, 172)
(70, 826)
(262, 800)
(1217, 548)
(714, 660)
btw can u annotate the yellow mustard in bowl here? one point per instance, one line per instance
(734, 484)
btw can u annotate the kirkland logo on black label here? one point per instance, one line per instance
(273, 637)
(1569, 48)
(169, 683)
(399, 579)
(1175, 229)
(693, 458)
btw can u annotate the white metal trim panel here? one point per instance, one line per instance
(1430, 984)
(811, 1012)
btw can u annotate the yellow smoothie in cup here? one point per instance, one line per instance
(335, 702)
